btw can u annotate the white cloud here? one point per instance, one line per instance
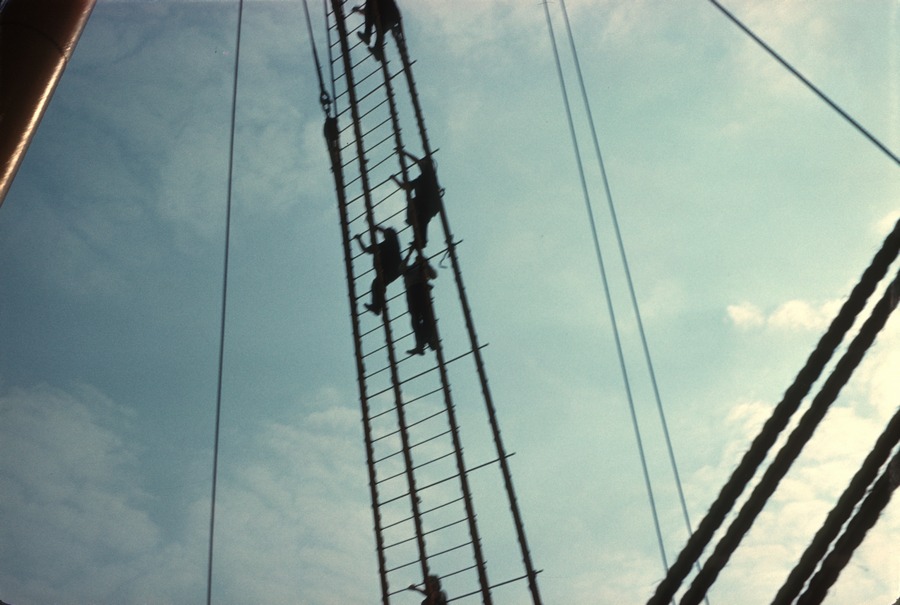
(884, 226)
(293, 519)
(813, 485)
(801, 315)
(70, 505)
(795, 315)
(746, 315)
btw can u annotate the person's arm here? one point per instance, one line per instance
(358, 237)
(411, 156)
(400, 183)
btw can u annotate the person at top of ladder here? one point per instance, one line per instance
(380, 15)
(425, 201)
(433, 593)
(391, 261)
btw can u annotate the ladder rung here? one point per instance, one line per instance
(360, 62)
(437, 529)
(438, 436)
(433, 460)
(369, 75)
(423, 513)
(489, 462)
(403, 472)
(387, 138)
(447, 362)
(383, 458)
(399, 543)
(390, 409)
(373, 108)
(394, 499)
(376, 127)
(493, 586)
(432, 438)
(440, 506)
(409, 426)
(451, 549)
(458, 571)
(439, 481)
(383, 347)
(413, 562)
(359, 100)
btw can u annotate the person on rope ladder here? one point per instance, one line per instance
(425, 201)
(380, 15)
(332, 134)
(418, 301)
(433, 593)
(390, 269)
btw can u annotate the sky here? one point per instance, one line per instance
(747, 207)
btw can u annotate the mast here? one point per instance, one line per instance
(37, 38)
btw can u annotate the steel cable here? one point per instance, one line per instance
(215, 464)
(609, 304)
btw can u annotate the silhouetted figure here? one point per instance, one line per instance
(332, 135)
(418, 300)
(380, 15)
(425, 201)
(433, 593)
(390, 269)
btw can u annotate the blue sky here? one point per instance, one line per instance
(748, 209)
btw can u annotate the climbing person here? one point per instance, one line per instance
(425, 199)
(380, 15)
(332, 134)
(433, 593)
(388, 253)
(418, 301)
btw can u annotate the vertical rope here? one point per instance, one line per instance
(330, 57)
(612, 314)
(439, 349)
(215, 465)
(385, 317)
(502, 456)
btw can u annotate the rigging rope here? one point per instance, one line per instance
(611, 310)
(791, 400)
(215, 465)
(808, 84)
(798, 438)
(330, 54)
(841, 512)
(323, 94)
(859, 525)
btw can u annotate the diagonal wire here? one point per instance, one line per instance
(612, 314)
(859, 127)
(215, 464)
(634, 302)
